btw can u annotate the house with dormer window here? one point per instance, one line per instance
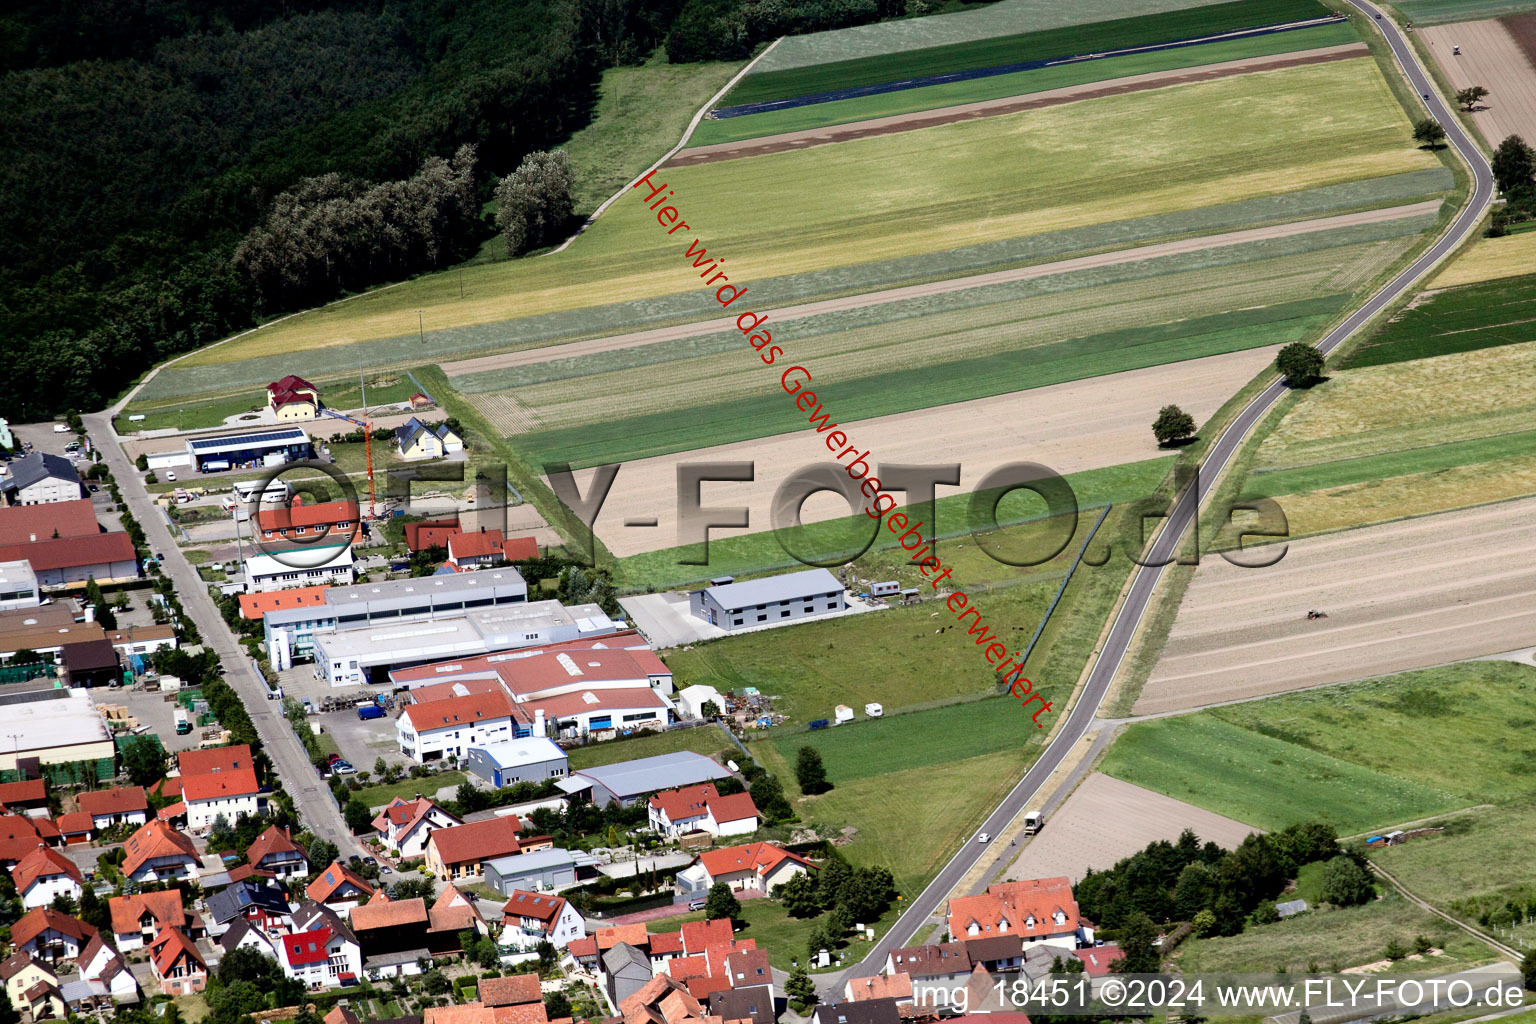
(1038, 910)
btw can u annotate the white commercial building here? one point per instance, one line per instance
(349, 657)
(42, 479)
(772, 599)
(299, 568)
(18, 586)
(55, 727)
(450, 727)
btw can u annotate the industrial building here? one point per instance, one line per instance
(53, 727)
(18, 586)
(351, 657)
(241, 451)
(772, 599)
(537, 871)
(302, 566)
(61, 561)
(531, 759)
(292, 619)
(628, 782)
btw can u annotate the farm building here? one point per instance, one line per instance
(773, 599)
(629, 782)
(239, 451)
(291, 627)
(293, 398)
(532, 759)
(42, 479)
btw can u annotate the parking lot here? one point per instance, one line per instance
(44, 438)
(357, 740)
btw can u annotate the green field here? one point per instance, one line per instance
(1120, 33)
(1331, 754)
(1441, 12)
(1466, 319)
(760, 552)
(1429, 459)
(1094, 162)
(1019, 83)
(161, 407)
(708, 741)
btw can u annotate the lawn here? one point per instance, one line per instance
(345, 393)
(1332, 754)
(641, 113)
(1019, 83)
(1019, 48)
(1335, 939)
(1501, 312)
(707, 741)
(1093, 162)
(407, 788)
(758, 552)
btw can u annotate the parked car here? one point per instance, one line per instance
(170, 475)
(95, 488)
(343, 769)
(333, 758)
(696, 904)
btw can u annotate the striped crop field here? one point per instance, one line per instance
(1444, 12)
(1033, 339)
(1097, 162)
(1019, 83)
(768, 83)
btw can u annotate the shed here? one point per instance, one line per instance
(530, 759)
(630, 781)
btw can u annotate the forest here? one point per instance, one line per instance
(174, 171)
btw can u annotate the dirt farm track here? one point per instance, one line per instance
(1404, 595)
(1105, 820)
(1496, 54)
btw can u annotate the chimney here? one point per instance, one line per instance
(538, 722)
(33, 538)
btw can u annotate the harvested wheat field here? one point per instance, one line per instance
(1492, 56)
(1105, 820)
(1102, 421)
(1400, 596)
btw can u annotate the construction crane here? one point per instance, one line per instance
(367, 425)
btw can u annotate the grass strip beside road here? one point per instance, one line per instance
(1389, 464)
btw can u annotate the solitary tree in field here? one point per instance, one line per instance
(1429, 132)
(1470, 96)
(1514, 164)
(1300, 363)
(1172, 425)
(810, 772)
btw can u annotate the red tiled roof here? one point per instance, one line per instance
(562, 704)
(685, 802)
(735, 807)
(454, 711)
(117, 800)
(634, 934)
(76, 823)
(584, 946)
(19, 523)
(530, 673)
(759, 857)
(214, 759)
(520, 988)
(72, 552)
(254, 606)
(169, 947)
(220, 785)
(332, 878)
(387, 913)
(879, 986)
(154, 840)
(42, 862)
(19, 836)
(27, 791)
(538, 906)
(430, 533)
(243, 871)
(1097, 960)
(273, 840)
(306, 948)
(39, 919)
(663, 943)
(292, 382)
(327, 513)
(1009, 907)
(175, 810)
(480, 840)
(480, 544)
(519, 549)
(700, 935)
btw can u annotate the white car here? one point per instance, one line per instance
(984, 837)
(170, 475)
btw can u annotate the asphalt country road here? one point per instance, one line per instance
(1165, 547)
(311, 797)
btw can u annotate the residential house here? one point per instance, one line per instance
(942, 963)
(383, 925)
(265, 906)
(468, 551)
(176, 964)
(20, 971)
(49, 935)
(20, 835)
(701, 808)
(226, 794)
(25, 796)
(405, 825)
(529, 918)
(430, 533)
(335, 522)
(458, 852)
(449, 727)
(701, 936)
(1098, 960)
(321, 951)
(517, 990)
(105, 974)
(44, 875)
(625, 972)
(879, 986)
(416, 440)
(293, 399)
(452, 914)
(156, 852)
(996, 952)
(45, 1001)
(662, 1000)
(275, 851)
(752, 1002)
(755, 867)
(1037, 910)
(338, 886)
(137, 919)
(868, 1011)
(120, 805)
(42, 479)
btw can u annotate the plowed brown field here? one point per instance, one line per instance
(1492, 55)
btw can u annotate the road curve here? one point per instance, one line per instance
(1082, 714)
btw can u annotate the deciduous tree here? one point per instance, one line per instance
(1172, 425)
(534, 202)
(810, 773)
(1471, 96)
(1300, 363)
(1428, 132)
(1514, 164)
(721, 903)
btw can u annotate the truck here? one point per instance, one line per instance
(369, 711)
(1034, 821)
(183, 722)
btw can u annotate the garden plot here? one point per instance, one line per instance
(1492, 55)
(1406, 595)
(1106, 820)
(1045, 425)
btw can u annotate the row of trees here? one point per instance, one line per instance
(729, 29)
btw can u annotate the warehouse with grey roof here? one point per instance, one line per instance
(628, 782)
(772, 599)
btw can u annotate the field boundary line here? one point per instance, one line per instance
(1424, 904)
(1050, 610)
(687, 134)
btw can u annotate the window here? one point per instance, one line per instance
(784, 614)
(762, 618)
